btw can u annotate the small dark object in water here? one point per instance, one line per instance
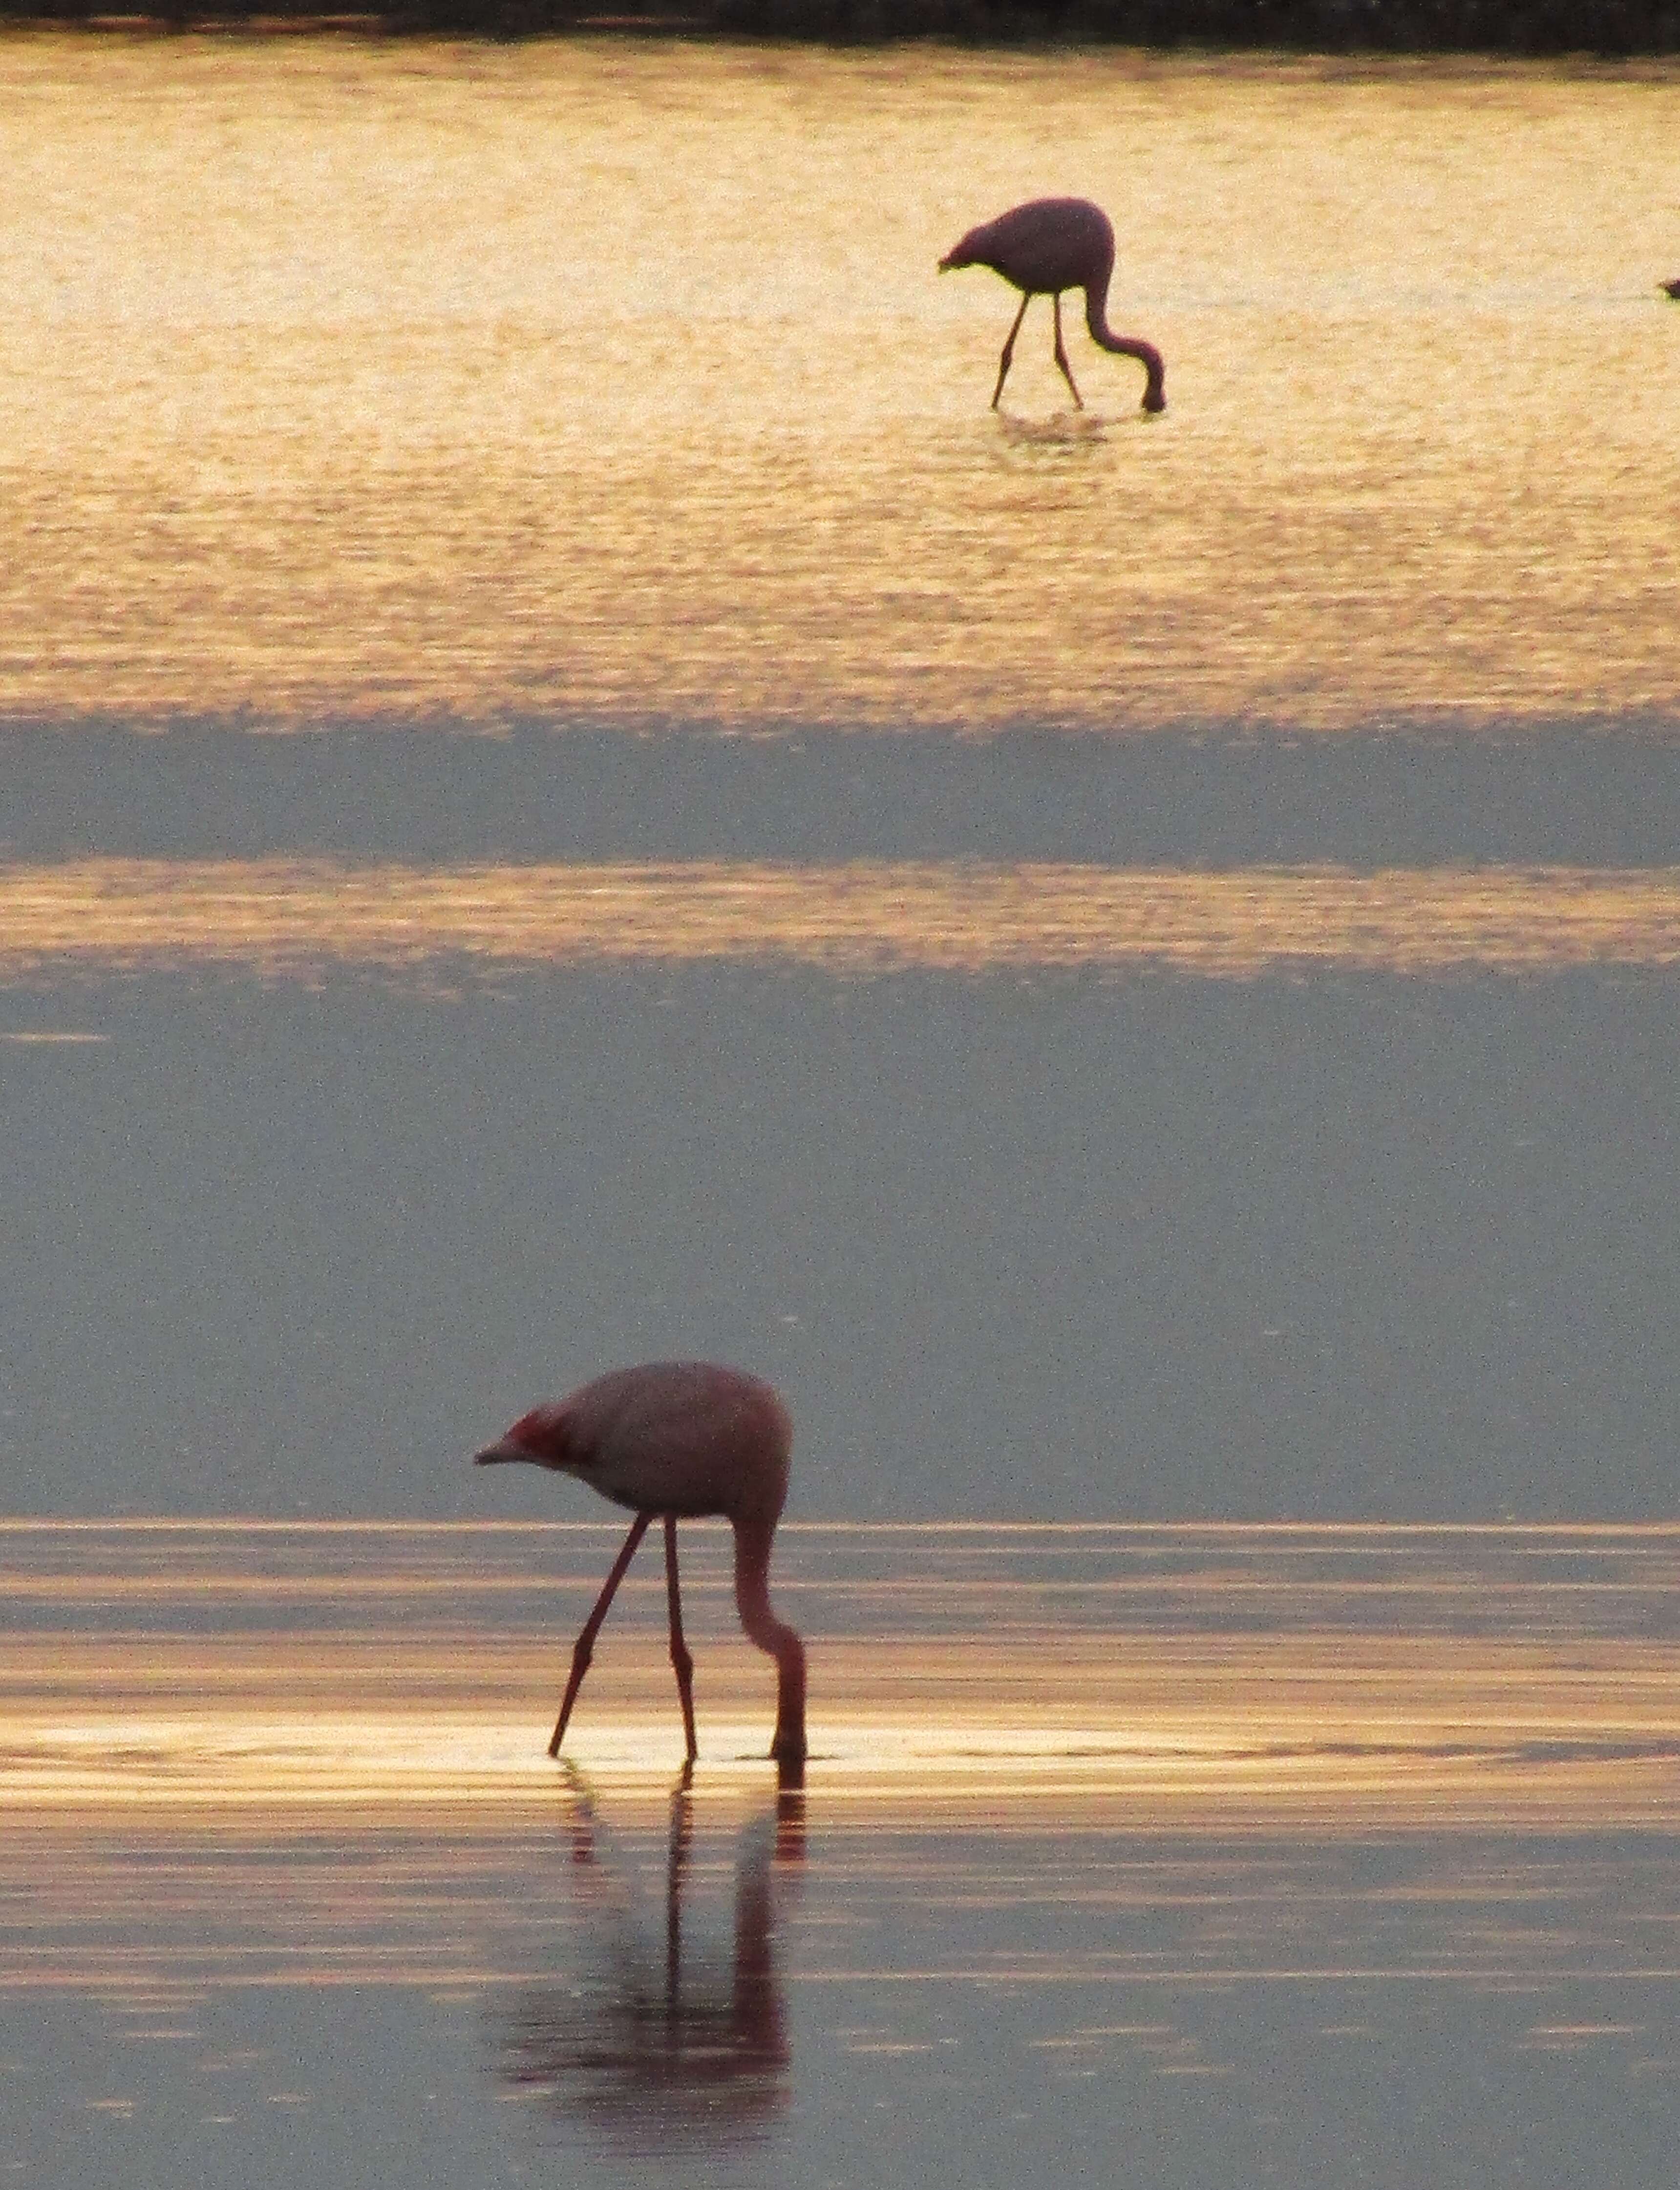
(1672, 288)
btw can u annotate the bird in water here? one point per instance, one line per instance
(1041, 248)
(675, 1440)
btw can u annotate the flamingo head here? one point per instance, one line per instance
(543, 1436)
(961, 254)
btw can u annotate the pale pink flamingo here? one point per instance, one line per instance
(1043, 248)
(678, 1438)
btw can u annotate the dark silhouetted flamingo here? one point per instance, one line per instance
(679, 1439)
(1043, 248)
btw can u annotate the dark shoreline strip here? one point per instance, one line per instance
(1603, 29)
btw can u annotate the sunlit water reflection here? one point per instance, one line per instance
(1220, 1835)
(575, 379)
(290, 919)
(583, 383)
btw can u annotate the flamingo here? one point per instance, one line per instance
(1041, 248)
(675, 1438)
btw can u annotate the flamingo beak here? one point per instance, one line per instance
(503, 1448)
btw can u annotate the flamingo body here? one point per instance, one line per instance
(672, 1436)
(1047, 247)
(678, 1440)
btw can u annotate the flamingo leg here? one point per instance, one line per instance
(1009, 350)
(583, 1649)
(1061, 353)
(680, 1658)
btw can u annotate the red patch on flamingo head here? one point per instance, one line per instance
(543, 1434)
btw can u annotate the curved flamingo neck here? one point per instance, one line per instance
(1096, 321)
(752, 1602)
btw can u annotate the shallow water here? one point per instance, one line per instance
(285, 918)
(1148, 1111)
(1337, 1855)
(611, 381)
(1156, 1108)
(1022, 1243)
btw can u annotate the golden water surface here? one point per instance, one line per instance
(234, 1685)
(599, 379)
(1093, 1817)
(282, 918)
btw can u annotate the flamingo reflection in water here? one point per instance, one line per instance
(687, 2055)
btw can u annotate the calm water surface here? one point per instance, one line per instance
(1156, 1108)
(288, 919)
(1127, 963)
(602, 381)
(1225, 1845)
